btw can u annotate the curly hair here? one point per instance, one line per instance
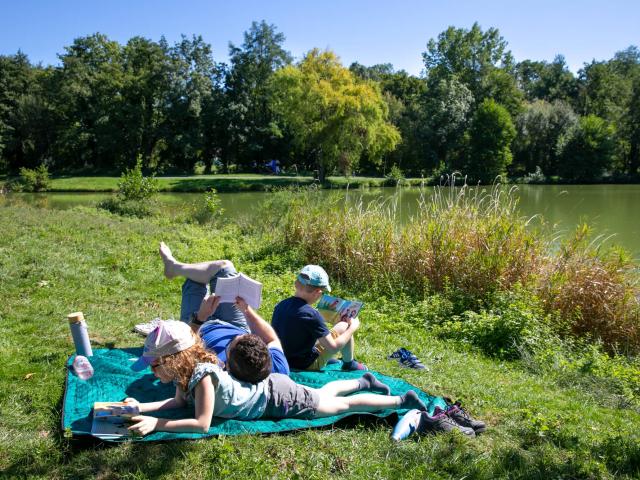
(249, 359)
(182, 364)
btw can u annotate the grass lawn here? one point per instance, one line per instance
(222, 183)
(56, 262)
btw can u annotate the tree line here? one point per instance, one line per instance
(474, 109)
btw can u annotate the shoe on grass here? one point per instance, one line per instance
(441, 422)
(409, 360)
(462, 417)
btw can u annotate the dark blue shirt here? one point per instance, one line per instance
(218, 335)
(299, 326)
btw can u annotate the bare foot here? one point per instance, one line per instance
(168, 260)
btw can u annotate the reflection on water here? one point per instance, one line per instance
(610, 209)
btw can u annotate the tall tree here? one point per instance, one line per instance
(90, 97)
(490, 136)
(334, 117)
(253, 134)
(587, 149)
(539, 130)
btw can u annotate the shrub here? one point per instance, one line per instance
(134, 185)
(395, 175)
(594, 292)
(35, 180)
(513, 323)
(127, 208)
(209, 210)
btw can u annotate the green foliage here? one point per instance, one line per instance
(587, 149)
(34, 180)
(490, 137)
(514, 322)
(395, 175)
(209, 211)
(127, 208)
(135, 186)
(331, 113)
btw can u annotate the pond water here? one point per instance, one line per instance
(610, 209)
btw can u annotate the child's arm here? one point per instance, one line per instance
(177, 401)
(205, 398)
(257, 325)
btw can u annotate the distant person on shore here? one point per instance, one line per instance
(219, 324)
(306, 340)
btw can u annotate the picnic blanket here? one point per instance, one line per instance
(113, 380)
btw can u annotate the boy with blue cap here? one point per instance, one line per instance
(306, 340)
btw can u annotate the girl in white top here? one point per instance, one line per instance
(176, 355)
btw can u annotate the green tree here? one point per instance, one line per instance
(447, 112)
(253, 135)
(479, 60)
(547, 81)
(490, 136)
(587, 149)
(90, 96)
(334, 117)
(539, 129)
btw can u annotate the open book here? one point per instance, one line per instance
(239, 286)
(112, 419)
(334, 309)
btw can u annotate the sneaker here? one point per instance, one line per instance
(409, 360)
(462, 418)
(395, 355)
(148, 327)
(354, 365)
(407, 425)
(441, 422)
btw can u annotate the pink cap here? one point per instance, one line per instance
(169, 337)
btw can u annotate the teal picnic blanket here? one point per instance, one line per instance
(113, 380)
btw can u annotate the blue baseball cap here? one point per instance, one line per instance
(315, 276)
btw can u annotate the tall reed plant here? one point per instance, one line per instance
(468, 243)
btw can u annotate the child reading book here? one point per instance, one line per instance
(307, 341)
(176, 355)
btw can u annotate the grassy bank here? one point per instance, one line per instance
(222, 183)
(55, 262)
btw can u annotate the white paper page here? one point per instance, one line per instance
(228, 289)
(251, 291)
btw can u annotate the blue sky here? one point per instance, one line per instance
(369, 32)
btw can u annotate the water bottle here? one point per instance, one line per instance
(80, 334)
(406, 425)
(82, 367)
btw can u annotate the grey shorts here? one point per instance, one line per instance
(288, 399)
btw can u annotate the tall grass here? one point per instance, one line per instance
(469, 243)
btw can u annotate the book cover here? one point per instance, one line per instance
(335, 309)
(112, 419)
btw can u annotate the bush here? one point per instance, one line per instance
(127, 208)
(395, 175)
(34, 180)
(134, 185)
(209, 211)
(512, 324)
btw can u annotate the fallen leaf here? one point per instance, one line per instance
(43, 434)
(28, 376)
(43, 283)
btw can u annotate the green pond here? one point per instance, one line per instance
(610, 209)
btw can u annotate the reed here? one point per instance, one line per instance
(469, 243)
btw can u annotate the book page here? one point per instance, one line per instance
(227, 289)
(251, 291)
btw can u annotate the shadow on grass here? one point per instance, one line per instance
(234, 184)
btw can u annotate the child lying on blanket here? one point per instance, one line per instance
(176, 355)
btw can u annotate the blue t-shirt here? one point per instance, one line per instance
(217, 336)
(299, 326)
